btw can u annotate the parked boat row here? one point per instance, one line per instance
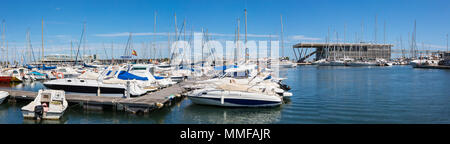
(259, 89)
(352, 62)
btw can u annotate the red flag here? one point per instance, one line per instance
(134, 53)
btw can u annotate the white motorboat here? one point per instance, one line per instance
(255, 91)
(89, 83)
(234, 98)
(286, 64)
(337, 63)
(361, 63)
(3, 96)
(420, 62)
(48, 104)
(148, 71)
(68, 72)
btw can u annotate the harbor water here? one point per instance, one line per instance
(398, 94)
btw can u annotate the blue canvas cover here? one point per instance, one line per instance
(89, 66)
(128, 76)
(47, 68)
(37, 73)
(158, 78)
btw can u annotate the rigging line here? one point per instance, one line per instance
(79, 45)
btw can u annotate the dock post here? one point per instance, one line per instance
(128, 90)
(98, 91)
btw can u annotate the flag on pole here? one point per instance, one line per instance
(133, 52)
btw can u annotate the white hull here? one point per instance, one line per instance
(234, 99)
(337, 63)
(361, 64)
(48, 116)
(3, 96)
(52, 105)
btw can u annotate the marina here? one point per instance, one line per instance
(246, 66)
(397, 94)
(141, 104)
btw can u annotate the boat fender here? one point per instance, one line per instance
(159, 105)
(171, 97)
(38, 111)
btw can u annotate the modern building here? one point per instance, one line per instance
(339, 50)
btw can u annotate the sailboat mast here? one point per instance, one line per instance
(384, 39)
(282, 42)
(401, 47)
(71, 47)
(246, 48)
(154, 36)
(3, 35)
(345, 30)
(112, 52)
(376, 29)
(7, 60)
(42, 37)
(237, 42)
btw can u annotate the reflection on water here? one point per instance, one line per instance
(398, 94)
(218, 115)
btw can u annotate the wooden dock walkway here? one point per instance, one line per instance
(145, 103)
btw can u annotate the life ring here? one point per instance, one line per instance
(53, 73)
(59, 75)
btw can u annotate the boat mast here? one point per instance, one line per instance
(7, 60)
(282, 42)
(246, 48)
(112, 52)
(84, 42)
(237, 42)
(384, 39)
(328, 44)
(345, 30)
(376, 28)
(176, 38)
(42, 37)
(3, 36)
(154, 36)
(401, 47)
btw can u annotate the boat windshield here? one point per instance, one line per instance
(138, 68)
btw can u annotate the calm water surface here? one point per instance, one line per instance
(398, 94)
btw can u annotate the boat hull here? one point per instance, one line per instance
(84, 89)
(5, 79)
(231, 102)
(48, 115)
(3, 96)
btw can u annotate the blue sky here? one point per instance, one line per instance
(304, 20)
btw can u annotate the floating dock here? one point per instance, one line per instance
(143, 104)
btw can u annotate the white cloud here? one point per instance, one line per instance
(302, 37)
(123, 34)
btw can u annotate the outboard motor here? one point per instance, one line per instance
(284, 86)
(38, 111)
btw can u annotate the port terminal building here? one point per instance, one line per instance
(303, 51)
